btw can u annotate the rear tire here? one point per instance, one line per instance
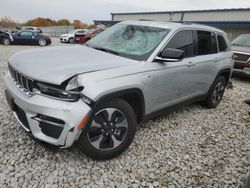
(42, 42)
(6, 41)
(215, 93)
(111, 131)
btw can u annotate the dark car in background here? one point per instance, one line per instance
(5, 38)
(82, 38)
(241, 50)
(30, 38)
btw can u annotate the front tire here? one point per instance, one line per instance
(215, 93)
(111, 131)
(6, 41)
(71, 40)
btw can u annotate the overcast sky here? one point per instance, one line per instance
(89, 10)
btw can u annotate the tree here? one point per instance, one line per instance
(63, 22)
(7, 22)
(41, 22)
(92, 26)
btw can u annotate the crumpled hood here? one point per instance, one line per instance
(56, 64)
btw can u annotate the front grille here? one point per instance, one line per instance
(22, 81)
(239, 57)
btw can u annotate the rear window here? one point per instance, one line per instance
(222, 43)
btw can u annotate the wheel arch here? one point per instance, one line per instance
(134, 97)
(226, 73)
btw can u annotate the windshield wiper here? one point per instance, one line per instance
(106, 50)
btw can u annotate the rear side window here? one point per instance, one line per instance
(206, 43)
(222, 43)
(26, 33)
(183, 40)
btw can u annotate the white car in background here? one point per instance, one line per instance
(69, 37)
(31, 28)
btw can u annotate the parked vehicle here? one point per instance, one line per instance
(5, 38)
(97, 31)
(29, 38)
(95, 94)
(241, 50)
(69, 37)
(30, 28)
(84, 37)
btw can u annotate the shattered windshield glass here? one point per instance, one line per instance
(131, 41)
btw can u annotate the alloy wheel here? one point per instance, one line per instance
(42, 42)
(108, 129)
(6, 41)
(218, 92)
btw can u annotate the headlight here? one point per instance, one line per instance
(72, 92)
(56, 92)
(73, 84)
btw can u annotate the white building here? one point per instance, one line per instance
(233, 21)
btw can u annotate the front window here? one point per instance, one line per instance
(242, 40)
(131, 41)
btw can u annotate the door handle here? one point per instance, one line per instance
(190, 64)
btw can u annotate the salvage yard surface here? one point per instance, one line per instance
(193, 146)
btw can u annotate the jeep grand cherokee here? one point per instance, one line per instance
(95, 94)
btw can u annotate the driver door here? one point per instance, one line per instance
(175, 82)
(24, 37)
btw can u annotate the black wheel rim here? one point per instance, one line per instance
(218, 93)
(108, 129)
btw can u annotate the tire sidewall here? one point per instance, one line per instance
(91, 151)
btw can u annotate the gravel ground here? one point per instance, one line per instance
(192, 147)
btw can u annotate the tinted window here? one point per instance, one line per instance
(206, 43)
(222, 43)
(81, 31)
(183, 40)
(26, 33)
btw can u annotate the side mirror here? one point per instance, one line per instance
(171, 54)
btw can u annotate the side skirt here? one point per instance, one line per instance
(173, 108)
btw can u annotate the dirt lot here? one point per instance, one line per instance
(193, 146)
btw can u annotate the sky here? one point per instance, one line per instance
(89, 10)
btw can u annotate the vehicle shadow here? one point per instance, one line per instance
(242, 79)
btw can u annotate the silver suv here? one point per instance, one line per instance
(95, 95)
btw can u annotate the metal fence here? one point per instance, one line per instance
(56, 31)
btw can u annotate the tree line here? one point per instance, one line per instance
(7, 22)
